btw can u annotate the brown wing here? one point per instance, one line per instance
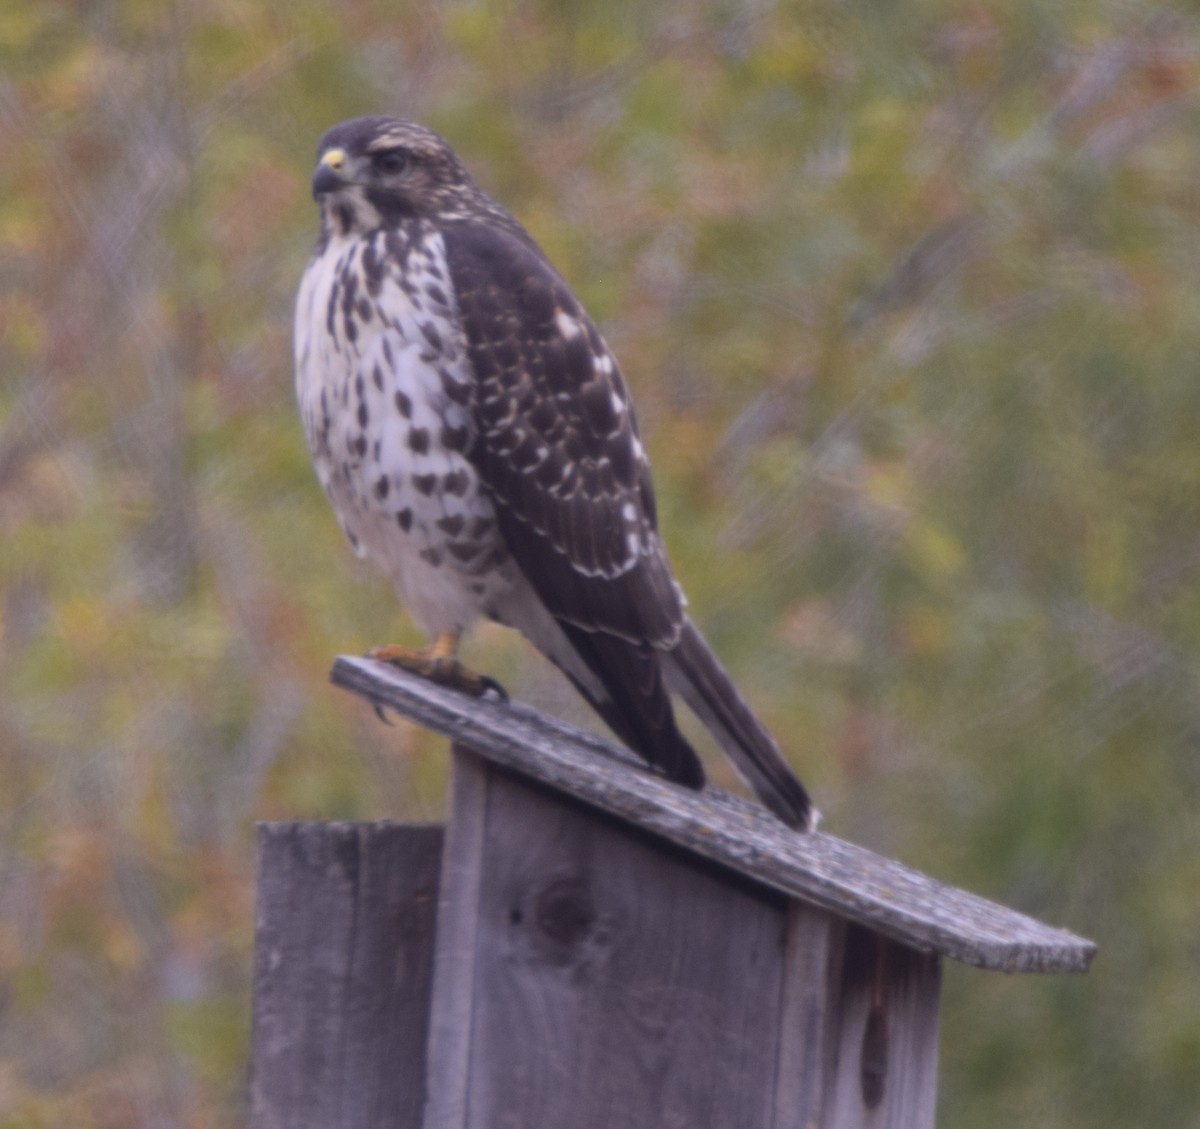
(557, 444)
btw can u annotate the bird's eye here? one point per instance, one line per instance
(390, 161)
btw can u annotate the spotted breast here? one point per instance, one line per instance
(383, 393)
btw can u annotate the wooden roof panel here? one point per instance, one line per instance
(846, 879)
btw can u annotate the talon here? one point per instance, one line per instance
(378, 708)
(438, 663)
(490, 684)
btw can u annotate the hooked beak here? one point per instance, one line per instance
(330, 174)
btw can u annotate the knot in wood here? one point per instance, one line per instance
(564, 911)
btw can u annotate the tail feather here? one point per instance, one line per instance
(637, 707)
(697, 675)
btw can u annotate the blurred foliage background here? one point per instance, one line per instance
(909, 297)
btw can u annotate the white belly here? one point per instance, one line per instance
(382, 385)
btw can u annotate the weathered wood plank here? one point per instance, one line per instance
(617, 980)
(818, 868)
(344, 935)
(455, 982)
(883, 1055)
(807, 1015)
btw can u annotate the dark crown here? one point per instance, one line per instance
(402, 171)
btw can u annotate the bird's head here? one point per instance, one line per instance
(376, 171)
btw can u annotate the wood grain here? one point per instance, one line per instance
(883, 1055)
(617, 982)
(344, 935)
(455, 981)
(808, 1018)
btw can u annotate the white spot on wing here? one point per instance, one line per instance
(567, 325)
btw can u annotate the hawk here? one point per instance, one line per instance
(474, 434)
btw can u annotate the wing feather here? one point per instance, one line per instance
(556, 442)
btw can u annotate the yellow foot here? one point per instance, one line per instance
(438, 663)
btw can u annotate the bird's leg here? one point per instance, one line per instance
(439, 663)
